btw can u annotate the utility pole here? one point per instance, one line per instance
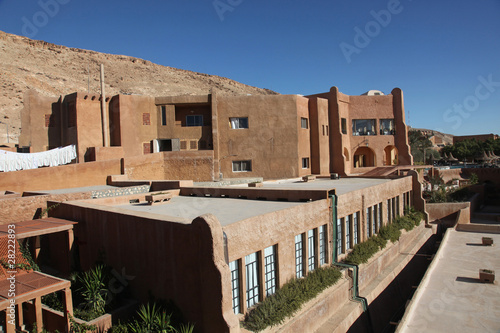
(88, 78)
(103, 111)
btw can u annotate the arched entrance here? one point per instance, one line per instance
(364, 157)
(391, 155)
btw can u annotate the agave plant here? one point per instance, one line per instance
(93, 290)
(151, 319)
(186, 328)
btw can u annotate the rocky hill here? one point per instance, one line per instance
(447, 139)
(55, 70)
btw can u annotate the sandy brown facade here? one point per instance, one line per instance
(273, 137)
(478, 137)
(159, 249)
(366, 131)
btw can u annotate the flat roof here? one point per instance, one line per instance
(451, 297)
(31, 228)
(29, 286)
(341, 186)
(227, 210)
(77, 189)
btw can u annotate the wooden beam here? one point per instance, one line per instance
(20, 319)
(68, 307)
(39, 232)
(69, 244)
(11, 325)
(38, 314)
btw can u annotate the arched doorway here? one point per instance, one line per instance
(364, 157)
(391, 155)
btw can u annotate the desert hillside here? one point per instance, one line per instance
(54, 70)
(447, 139)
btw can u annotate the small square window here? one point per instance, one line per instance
(71, 114)
(304, 123)
(238, 123)
(344, 125)
(49, 120)
(146, 119)
(242, 166)
(305, 163)
(163, 115)
(146, 148)
(194, 120)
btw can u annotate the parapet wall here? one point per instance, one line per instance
(485, 174)
(447, 174)
(167, 257)
(257, 194)
(29, 207)
(64, 176)
(447, 210)
(193, 165)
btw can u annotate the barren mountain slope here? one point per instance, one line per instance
(55, 70)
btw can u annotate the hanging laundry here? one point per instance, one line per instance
(10, 161)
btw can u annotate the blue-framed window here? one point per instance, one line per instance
(299, 257)
(270, 269)
(322, 245)
(368, 222)
(252, 274)
(355, 236)
(311, 241)
(234, 266)
(339, 236)
(347, 232)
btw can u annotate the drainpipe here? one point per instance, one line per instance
(355, 268)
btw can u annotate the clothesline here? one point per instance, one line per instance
(10, 161)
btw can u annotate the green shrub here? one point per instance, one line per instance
(460, 195)
(404, 222)
(364, 251)
(119, 328)
(53, 301)
(288, 300)
(414, 215)
(390, 232)
(380, 241)
(474, 179)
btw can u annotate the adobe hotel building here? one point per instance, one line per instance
(246, 242)
(272, 136)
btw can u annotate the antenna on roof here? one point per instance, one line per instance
(103, 111)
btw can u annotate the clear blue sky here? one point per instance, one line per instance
(444, 54)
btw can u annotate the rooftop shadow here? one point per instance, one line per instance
(467, 279)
